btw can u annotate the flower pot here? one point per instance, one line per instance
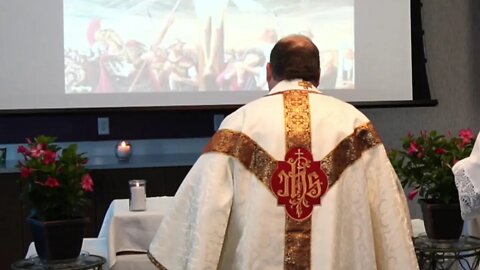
(58, 240)
(442, 221)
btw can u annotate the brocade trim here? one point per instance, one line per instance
(297, 119)
(297, 243)
(349, 150)
(297, 250)
(155, 262)
(247, 151)
(307, 91)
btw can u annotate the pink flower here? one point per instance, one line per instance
(440, 151)
(413, 148)
(23, 150)
(87, 183)
(49, 157)
(26, 172)
(37, 151)
(52, 182)
(413, 193)
(466, 135)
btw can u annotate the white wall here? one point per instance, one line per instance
(452, 43)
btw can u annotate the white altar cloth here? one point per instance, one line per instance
(126, 231)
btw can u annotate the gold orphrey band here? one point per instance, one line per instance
(297, 254)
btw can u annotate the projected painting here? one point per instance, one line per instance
(121, 46)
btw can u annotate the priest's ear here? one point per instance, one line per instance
(318, 81)
(270, 80)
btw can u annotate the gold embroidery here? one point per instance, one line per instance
(349, 150)
(297, 254)
(305, 84)
(298, 183)
(297, 119)
(247, 151)
(155, 262)
(311, 91)
(259, 162)
(297, 243)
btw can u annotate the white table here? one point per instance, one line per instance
(127, 231)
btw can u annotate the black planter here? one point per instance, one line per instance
(58, 240)
(442, 221)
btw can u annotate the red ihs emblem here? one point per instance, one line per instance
(298, 183)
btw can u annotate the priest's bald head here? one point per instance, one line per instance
(294, 57)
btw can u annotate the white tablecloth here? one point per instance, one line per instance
(131, 231)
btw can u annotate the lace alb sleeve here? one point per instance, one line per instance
(469, 198)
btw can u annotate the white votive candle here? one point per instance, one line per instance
(123, 150)
(138, 196)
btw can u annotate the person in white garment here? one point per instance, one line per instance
(467, 180)
(293, 180)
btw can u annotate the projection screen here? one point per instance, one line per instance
(148, 53)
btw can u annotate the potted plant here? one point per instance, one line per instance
(55, 185)
(424, 166)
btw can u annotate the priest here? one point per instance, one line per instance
(294, 180)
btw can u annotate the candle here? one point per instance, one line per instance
(123, 150)
(138, 196)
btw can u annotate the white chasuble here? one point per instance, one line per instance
(293, 180)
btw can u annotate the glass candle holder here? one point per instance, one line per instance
(123, 150)
(138, 195)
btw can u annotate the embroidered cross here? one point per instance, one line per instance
(305, 84)
(298, 183)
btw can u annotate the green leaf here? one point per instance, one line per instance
(429, 169)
